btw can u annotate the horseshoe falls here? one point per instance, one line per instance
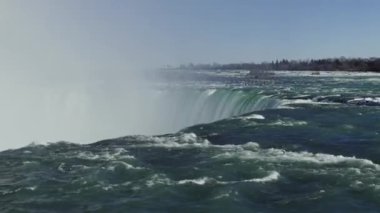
(186, 107)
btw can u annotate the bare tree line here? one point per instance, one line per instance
(328, 64)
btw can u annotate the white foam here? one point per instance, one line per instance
(288, 123)
(298, 101)
(280, 155)
(60, 167)
(376, 187)
(372, 79)
(118, 153)
(31, 188)
(367, 99)
(123, 165)
(253, 151)
(87, 156)
(253, 116)
(251, 145)
(199, 181)
(286, 102)
(273, 176)
(29, 162)
(80, 167)
(210, 91)
(189, 137)
(184, 140)
(223, 195)
(160, 179)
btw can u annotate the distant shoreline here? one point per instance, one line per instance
(330, 64)
(335, 73)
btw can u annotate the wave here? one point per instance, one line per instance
(368, 101)
(250, 150)
(180, 163)
(253, 116)
(253, 151)
(272, 176)
(160, 179)
(331, 99)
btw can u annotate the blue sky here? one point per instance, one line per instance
(152, 33)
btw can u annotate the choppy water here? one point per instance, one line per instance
(298, 144)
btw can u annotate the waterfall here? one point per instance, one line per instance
(87, 114)
(185, 107)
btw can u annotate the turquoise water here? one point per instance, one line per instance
(298, 144)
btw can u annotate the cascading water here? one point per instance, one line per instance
(186, 107)
(87, 113)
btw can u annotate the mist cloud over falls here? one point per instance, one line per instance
(68, 71)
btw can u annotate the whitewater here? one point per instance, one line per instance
(292, 142)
